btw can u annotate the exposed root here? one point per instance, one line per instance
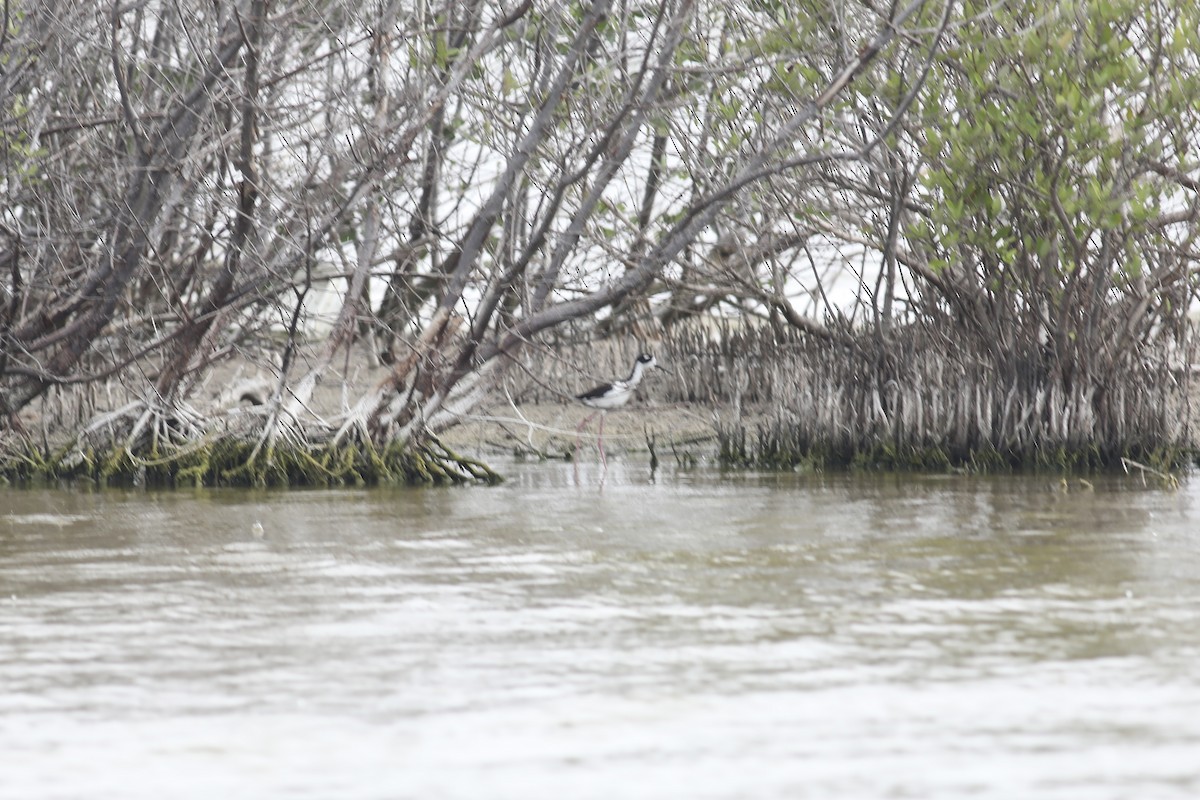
(142, 443)
(236, 461)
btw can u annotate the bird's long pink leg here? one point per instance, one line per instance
(600, 441)
(579, 431)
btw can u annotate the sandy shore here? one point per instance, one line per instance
(550, 430)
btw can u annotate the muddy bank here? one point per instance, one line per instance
(94, 434)
(545, 427)
(550, 430)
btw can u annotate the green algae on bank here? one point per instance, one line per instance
(230, 461)
(772, 444)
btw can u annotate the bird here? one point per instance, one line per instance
(608, 396)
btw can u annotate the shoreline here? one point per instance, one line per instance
(793, 410)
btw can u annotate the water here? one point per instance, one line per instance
(703, 636)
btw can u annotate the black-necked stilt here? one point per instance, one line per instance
(608, 396)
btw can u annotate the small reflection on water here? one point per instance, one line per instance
(706, 635)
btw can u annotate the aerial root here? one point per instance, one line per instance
(153, 442)
(241, 460)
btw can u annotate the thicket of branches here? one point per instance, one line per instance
(181, 180)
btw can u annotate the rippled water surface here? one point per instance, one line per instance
(700, 636)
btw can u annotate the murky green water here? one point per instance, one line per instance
(701, 636)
